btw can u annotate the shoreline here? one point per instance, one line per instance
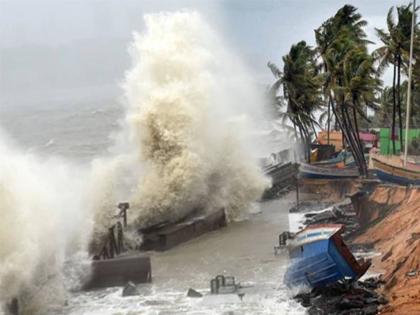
(397, 237)
(387, 224)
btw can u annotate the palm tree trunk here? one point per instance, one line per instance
(393, 109)
(339, 122)
(358, 140)
(352, 140)
(350, 130)
(346, 134)
(399, 102)
(307, 141)
(329, 117)
(303, 140)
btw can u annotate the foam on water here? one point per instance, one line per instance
(42, 224)
(244, 249)
(183, 144)
(189, 103)
(110, 302)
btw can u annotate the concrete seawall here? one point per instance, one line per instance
(118, 271)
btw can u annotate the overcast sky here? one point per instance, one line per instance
(48, 47)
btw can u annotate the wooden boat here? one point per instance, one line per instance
(325, 172)
(281, 172)
(319, 256)
(388, 168)
(391, 169)
(341, 157)
(413, 162)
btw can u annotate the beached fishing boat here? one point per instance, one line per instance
(391, 169)
(281, 172)
(327, 172)
(319, 256)
(341, 157)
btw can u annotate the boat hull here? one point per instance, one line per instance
(281, 173)
(318, 270)
(319, 257)
(395, 179)
(388, 172)
(318, 172)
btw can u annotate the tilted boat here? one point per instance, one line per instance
(391, 169)
(319, 256)
(327, 172)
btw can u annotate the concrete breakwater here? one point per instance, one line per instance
(167, 236)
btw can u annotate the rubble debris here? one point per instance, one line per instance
(415, 236)
(337, 214)
(361, 247)
(344, 297)
(387, 255)
(193, 293)
(223, 285)
(411, 273)
(130, 289)
(308, 205)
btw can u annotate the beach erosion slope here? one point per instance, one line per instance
(395, 232)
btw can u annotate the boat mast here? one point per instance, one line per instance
(410, 70)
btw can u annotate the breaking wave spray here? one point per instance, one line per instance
(190, 104)
(183, 146)
(42, 228)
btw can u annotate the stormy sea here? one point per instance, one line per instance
(183, 130)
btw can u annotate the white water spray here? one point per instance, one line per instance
(42, 224)
(183, 147)
(189, 102)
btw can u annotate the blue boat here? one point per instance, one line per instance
(327, 172)
(319, 257)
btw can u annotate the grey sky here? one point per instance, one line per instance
(48, 47)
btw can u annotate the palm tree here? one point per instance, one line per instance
(326, 35)
(359, 89)
(301, 90)
(349, 75)
(396, 43)
(383, 116)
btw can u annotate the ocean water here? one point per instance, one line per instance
(182, 133)
(243, 249)
(79, 131)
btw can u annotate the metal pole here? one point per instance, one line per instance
(410, 70)
(297, 192)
